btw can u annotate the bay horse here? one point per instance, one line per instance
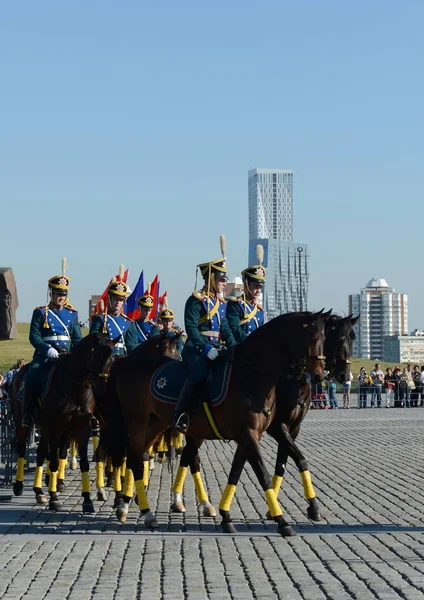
(150, 352)
(65, 411)
(292, 401)
(248, 410)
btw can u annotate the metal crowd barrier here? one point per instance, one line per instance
(366, 397)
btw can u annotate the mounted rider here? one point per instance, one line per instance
(166, 318)
(113, 322)
(54, 328)
(244, 314)
(207, 329)
(145, 326)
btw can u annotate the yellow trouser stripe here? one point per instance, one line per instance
(146, 472)
(227, 497)
(95, 442)
(129, 483)
(200, 490)
(38, 477)
(211, 421)
(177, 488)
(61, 469)
(53, 482)
(271, 500)
(100, 474)
(20, 469)
(277, 480)
(85, 480)
(143, 503)
(117, 485)
(308, 488)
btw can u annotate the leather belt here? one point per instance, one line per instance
(56, 338)
(215, 334)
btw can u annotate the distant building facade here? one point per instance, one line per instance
(271, 224)
(92, 303)
(383, 312)
(404, 349)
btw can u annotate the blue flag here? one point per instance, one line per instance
(131, 306)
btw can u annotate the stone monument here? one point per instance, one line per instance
(8, 304)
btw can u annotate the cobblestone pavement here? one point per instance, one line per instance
(367, 467)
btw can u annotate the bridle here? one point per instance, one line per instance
(301, 365)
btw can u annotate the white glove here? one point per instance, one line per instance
(212, 354)
(52, 353)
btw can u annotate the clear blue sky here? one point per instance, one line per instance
(127, 130)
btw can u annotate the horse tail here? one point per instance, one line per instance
(114, 436)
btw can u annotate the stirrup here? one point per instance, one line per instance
(27, 421)
(182, 423)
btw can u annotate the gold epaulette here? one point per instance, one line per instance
(176, 330)
(222, 300)
(199, 295)
(42, 307)
(126, 317)
(71, 308)
(233, 298)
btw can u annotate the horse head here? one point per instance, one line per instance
(339, 336)
(312, 338)
(94, 353)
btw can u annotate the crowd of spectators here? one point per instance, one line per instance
(396, 388)
(5, 380)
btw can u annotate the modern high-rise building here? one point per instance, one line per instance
(383, 312)
(271, 224)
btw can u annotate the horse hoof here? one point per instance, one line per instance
(41, 499)
(228, 527)
(313, 514)
(18, 488)
(268, 516)
(101, 495)
(209, 510)
(88, 507)
(178, 507)
(61, 487)
(122, 513)
(47, 480)
(151, 464)
(109, 481)
(286, 531)
(54, 505)
(73, 464)
(150, 521)
(178, 451)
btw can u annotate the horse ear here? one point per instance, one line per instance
(327, 314)
(354, 320)
(116, 340)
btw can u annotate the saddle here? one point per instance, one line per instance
(41, 384)
(167, 381)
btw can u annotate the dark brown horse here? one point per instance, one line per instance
(65, 411)
(293, 400)
(245, 414)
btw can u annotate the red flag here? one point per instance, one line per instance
(104, 295)
(162, 300)
(154, 292)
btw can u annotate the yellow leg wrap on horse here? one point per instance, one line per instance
(48, 472)
(100, 474)
(308, 488)
(117, 485)
(143, 503)
(146, 472)
(227, 497)
(53, 482)
(177, 441)
(95, 442)
(150, 451)
(73, 448)
(38, 477)
(177, 488)
(200, 490)
(20, 469)
(85, 480)
(162, 447)
(61, 469)
(271, 500)
(277, 480)
(129, 483)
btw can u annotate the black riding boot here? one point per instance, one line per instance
(181, 417)
(28, 407)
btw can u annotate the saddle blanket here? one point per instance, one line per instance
(167, 381)
(42, 385)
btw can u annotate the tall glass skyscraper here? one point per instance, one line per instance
(271, 224)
